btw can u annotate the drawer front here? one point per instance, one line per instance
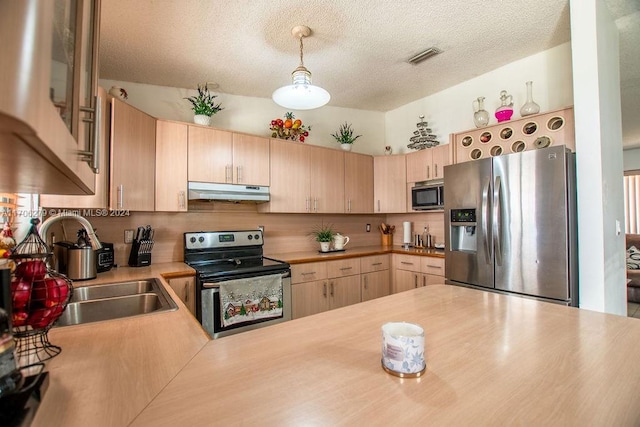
(308, 272)
(343, 267)
(432, 265)
(370, 264)
(407, 262)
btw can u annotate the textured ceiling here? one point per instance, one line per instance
(358, 49)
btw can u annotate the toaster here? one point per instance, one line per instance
(104, 257)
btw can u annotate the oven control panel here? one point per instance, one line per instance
(222, 239)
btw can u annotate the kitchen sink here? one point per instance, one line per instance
(115, 301)
(111, 290)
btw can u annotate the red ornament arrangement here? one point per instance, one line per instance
(39, 295)
(289, 128)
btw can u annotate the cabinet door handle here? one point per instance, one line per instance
(436, 168)
(435, 266)
(120, 202)
(349, 205)
(308, 273)
(365, 282)
(345, 268)
(424, 281)
(428, 172)
(331, 284)
(92, 154)
(415, 280)
(315, 205)
(239, 172)
(376, 263)
(378, 205)
(186, 291)
(307, 203)
(181, 200)
(406, 263)
(324, 289)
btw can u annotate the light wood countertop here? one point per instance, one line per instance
(315, 256)
(109, 371)
(491, 360)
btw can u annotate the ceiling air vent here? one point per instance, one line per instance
(424, 55)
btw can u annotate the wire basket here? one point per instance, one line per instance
(39, 296)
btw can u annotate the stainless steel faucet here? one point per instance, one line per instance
(95, 243)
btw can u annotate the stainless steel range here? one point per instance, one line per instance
(237, 288)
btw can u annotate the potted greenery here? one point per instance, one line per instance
(323, 234)
(204, 106)
(345, 137)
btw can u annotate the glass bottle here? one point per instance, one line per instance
(480, 116)
(529, 107)
(505, 110)
(10, 377)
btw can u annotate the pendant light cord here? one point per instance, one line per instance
(301, 62)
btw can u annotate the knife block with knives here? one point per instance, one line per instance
(142, 244)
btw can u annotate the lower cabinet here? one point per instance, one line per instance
(375, 276)
(322, 286)
(185, 288)
(411, 271)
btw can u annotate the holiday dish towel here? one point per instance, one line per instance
(246, 300)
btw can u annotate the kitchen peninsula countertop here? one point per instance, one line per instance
(491, 360)
(109, 371)
(352, 252)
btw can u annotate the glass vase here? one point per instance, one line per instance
(529, 107)
(480, 116)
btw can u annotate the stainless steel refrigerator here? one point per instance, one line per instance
(510, 224)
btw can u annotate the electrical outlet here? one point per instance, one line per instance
(368, 228)
(261, 228)
(128, 236)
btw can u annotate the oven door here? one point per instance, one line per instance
(212, 314)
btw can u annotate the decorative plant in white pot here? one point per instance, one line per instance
(323, 234)
(204, 106)
(345, 137)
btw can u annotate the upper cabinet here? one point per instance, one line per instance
(305, 179)
(133, 157)
(358, 183)
(427, 164)
(48, 82)
(389, 184)
(171, 166)
(227, 157)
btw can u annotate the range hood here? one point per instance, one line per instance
(228, 192)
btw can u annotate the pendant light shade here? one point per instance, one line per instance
(301, 94)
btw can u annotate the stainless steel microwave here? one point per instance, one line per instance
(427, 195)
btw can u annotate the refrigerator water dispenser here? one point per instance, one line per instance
(463, 230)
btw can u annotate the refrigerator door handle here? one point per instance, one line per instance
(485, 220)
(497, 221)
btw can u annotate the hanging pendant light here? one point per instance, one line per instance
(301, 94)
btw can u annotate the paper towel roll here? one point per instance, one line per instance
(406, 232)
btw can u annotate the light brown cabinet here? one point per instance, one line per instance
(412, 272)
(133, 157)
(45, 136)
(305, 179)
(322, 286)
(171, 166)
(226, 157)
(427, 164)
(374, 276)
(389, 182)
(100, 199)
(185, 288)
(358, 183)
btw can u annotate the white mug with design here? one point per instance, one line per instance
(403, 349)
(340, 241)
